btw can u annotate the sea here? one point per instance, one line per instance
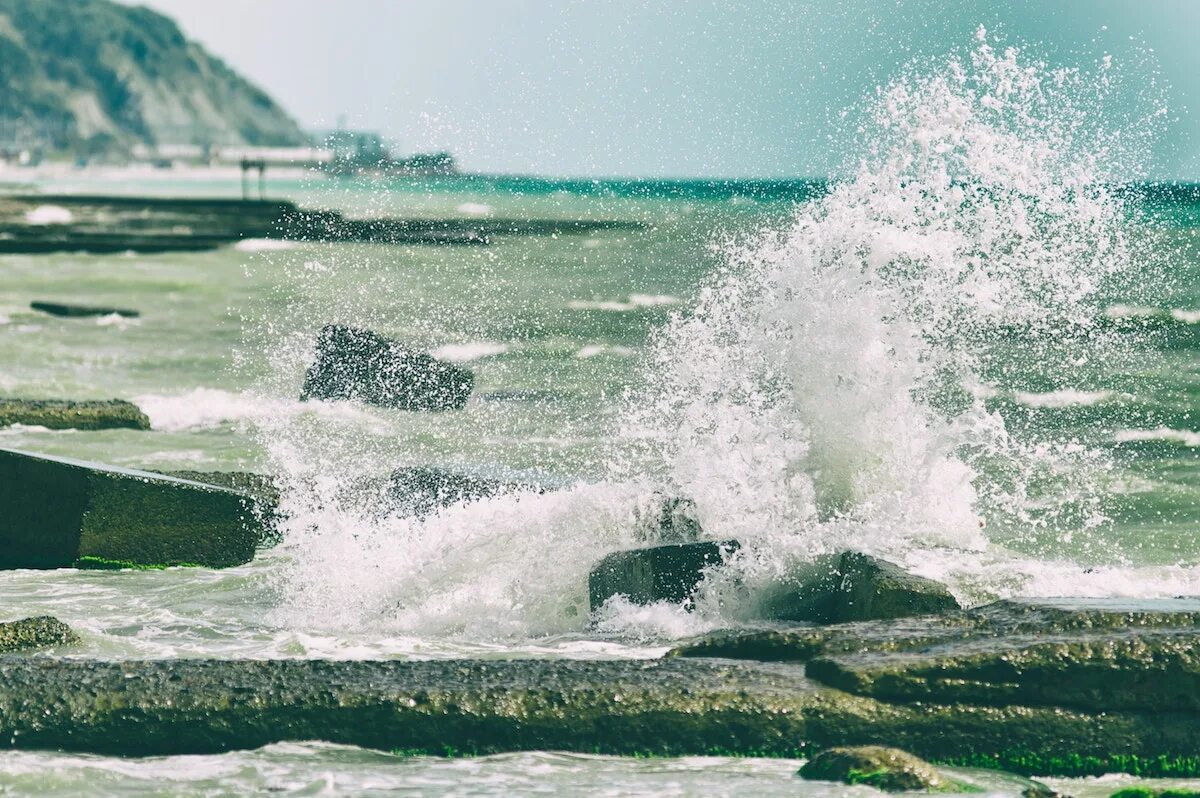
(975, 351)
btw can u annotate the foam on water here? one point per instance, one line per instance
(465, 353)
(826, 392)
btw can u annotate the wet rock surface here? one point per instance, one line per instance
(855, 587)
(887, 769)
(658, 573)
(67, 414)
(30, 634)
(361, 365)
(56, 513)
(661, 707)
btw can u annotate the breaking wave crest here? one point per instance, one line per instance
(826, 391)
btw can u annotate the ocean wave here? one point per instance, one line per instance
(1131, 312)
(596, 350)
(209, 408)
(1183, 437)
(1067, 397)
(264, 245)
(49, 214)
(474, 209)
(464, 353)
(1186, 316)
(634, 302)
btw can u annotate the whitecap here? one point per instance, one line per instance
(474, 209)
(633, 302)
(49, 214)
(208, 408)
(595, 350)
(1131, 311)
(464, 353)
(1183, 437)
(264, 245)
(1067, 397)
(1186, 316)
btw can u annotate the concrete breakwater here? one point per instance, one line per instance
(107, 224)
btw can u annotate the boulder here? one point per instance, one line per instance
(855, 587)
(887, 769)
(66, 414)
(80, 311)
(57, 513)
(33, 633)
(659, 573)
(423, 490)
(360, 365)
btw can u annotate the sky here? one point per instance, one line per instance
(666, 88)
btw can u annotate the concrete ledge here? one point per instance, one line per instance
(55, 512)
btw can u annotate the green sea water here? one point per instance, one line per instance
(560, 332)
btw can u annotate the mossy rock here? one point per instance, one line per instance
(658, 573)
(56, 512)
(67, 414)
(887, 769)
(34, 633)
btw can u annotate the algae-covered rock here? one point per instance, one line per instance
(658, 707)
(361, 365)
(260, 486)
(33, 633)
(67, 414)
(81, 311)
(659, 573)
(56, 512)
(855, 587)
(887, 769)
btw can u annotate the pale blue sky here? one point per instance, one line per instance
(656, 88)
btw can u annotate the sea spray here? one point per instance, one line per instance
(830, 389)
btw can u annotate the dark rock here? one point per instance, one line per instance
(887, 769)
(66, 414)
(660, 573)
(260, 486)
(56, 513)
(855, 587)
(362, 365)
(423, 490)
(80, 311)
(34, 633)
(666, 519)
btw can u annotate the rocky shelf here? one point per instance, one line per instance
(988, 687)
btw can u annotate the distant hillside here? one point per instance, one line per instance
(96, 77)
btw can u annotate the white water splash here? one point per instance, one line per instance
(819, 396)
(825, 393)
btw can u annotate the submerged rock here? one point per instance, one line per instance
(33, 633)
(660, 573)
(79, 311)
(887, 769)
(57, 513)
(855, 587)
(361, 365)
(66, 414)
